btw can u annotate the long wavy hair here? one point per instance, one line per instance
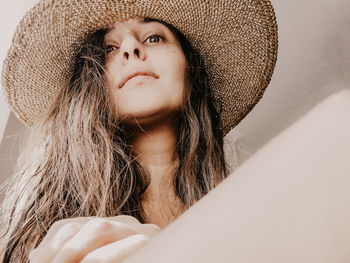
(77, 162)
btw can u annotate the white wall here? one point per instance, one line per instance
(11, 12)
(313, 62)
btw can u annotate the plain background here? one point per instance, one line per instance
(313, 62)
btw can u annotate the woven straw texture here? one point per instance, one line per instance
(236, 38)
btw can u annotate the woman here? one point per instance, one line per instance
(127, 115)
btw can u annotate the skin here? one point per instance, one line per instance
(144, 46)
(288, 203)
(148, 106)
(93, 240)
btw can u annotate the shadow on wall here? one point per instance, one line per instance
(10, 147)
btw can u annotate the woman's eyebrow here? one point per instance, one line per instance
(141, 21)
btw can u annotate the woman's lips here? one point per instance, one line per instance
(138, 73)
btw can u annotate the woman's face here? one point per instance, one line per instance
(145, 70)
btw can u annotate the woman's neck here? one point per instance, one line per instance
(154, 147)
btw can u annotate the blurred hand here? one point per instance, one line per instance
(85, 239)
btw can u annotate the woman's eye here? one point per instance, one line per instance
(154, 39)
(110, 48)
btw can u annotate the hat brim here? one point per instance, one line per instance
(236, 39)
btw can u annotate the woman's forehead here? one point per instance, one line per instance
(132, 22)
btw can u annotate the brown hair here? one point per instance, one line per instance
(77, 162)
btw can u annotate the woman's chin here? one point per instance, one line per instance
(149, 117)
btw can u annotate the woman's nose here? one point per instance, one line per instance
(131, 48)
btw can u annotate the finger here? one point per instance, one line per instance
(125, 219)
(55, 227)
(117, 251)
(148, 229)
(47, 251)
(96, 233)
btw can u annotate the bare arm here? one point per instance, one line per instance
(289, 203)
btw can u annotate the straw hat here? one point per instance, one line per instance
(236, 38)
